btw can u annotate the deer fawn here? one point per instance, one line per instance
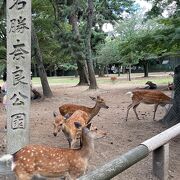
(52, 161)
(148, 97)
(68, 109)
(66, 125)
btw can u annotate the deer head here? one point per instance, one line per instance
(100, 102)
(58, 123)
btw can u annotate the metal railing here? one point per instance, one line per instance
(157, 144)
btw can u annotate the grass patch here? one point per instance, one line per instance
(123, 79)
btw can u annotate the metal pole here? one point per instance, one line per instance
(118, 165)
(162, 138)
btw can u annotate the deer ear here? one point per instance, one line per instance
(88, 126)
(93, 98)
(77, 125)
(55, 114)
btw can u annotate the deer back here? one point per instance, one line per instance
(48, 161)
(151, 97)
(71, 108)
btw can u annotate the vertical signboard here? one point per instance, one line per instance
(18, 73)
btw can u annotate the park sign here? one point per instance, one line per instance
(18, 73)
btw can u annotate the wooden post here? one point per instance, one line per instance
(18, 73)
(161, 162)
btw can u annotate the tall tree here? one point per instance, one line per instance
(73, 20)
(64, 10)
(38, 56)
(93, 83)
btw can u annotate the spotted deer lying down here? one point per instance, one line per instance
(67, 126)
(155, 97)
(52, 161)
(68, 109)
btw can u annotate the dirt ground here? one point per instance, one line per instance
(121, 135)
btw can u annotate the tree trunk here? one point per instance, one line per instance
(119, 69)
(41, 70)
(145, 65)
(3, 9)
(81, 63)
(83, 77)
(101, 71)
(35, 70)
(106, 70)
(172, 117)
(57, 5)
(92, 78)
(55, 71)
(129, 73)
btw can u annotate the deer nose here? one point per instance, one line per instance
(55, 134)
(107, 107)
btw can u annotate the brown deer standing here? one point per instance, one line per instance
(68, 109)
(67, 126)
(147, 97)
(52, 161)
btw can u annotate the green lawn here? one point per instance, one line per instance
(136, 78)
(158, 78)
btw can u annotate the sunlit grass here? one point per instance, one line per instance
(158, 78)
(135, 78)
(57, 80)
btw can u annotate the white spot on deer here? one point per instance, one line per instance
(13, 165)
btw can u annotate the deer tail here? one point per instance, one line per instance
(131, 93)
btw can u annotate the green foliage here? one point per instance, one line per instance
(108, 53)
(57, 42)
(159, 6)
(67, 66)
(140, 40)
(168, 37)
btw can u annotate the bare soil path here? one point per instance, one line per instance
(121, 135)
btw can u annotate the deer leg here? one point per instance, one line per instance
(69, 142)
(134, 108)
(155, 109)
(128, 108)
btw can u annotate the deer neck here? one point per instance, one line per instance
(66, 130)
(94, 111)
(87, 147)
